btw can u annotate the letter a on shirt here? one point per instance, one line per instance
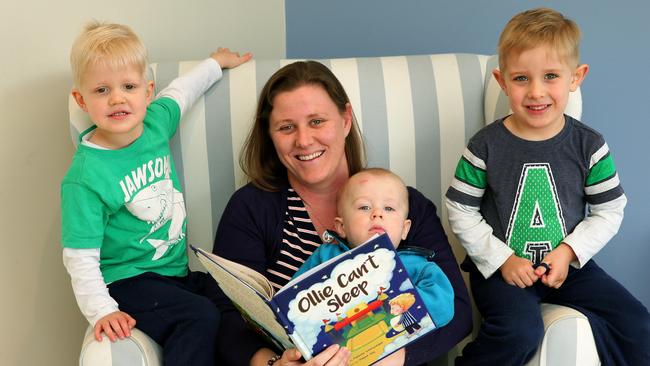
(536, 225)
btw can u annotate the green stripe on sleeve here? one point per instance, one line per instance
(601, 171)
(470, 174)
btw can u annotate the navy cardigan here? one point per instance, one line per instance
(250, 232)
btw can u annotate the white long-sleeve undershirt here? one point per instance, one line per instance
(489, 253)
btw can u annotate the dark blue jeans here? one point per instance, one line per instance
(175, 312)
(512, 325)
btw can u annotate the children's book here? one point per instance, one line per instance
(362, 299)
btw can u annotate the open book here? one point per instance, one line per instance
(346, 300)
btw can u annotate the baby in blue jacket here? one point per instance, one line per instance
(375, 201)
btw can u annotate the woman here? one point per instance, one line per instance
(304, 145)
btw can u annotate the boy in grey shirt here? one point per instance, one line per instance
(517, 204)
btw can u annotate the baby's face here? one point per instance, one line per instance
(373, 204)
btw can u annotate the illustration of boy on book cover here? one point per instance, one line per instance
(366, 303)
(404, 320)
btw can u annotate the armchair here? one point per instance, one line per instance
(416, 114)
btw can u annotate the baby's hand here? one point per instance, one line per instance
(228, 59)
(558, 260)
(518, 272)
(116, 323)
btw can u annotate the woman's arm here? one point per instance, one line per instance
(427, 231)
(241, 236)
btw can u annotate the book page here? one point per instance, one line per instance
(247, 299)
(251, 277)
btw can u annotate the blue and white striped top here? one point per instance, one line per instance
(299, 240)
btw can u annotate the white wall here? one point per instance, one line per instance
(41, 324)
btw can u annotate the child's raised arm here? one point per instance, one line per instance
(187, 88)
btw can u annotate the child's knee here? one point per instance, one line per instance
(212, 315)
(636, 336)
(643, 327)
(532, 333)
(205, 313)
(523, 331)
(636, 321)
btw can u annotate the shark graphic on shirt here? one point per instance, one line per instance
(158, 204)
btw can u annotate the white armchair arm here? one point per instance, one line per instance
(567, 341)
(136, 350)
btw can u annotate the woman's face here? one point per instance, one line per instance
(308, 132)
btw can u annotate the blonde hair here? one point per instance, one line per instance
(259, 159)
(404, 300)
(537, 27)
(377, 172)
(108, 44)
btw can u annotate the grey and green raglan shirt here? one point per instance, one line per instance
(513, 195)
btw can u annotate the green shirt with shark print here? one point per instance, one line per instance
(128, 202)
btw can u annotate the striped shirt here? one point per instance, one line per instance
(299, 240)
(407, 319)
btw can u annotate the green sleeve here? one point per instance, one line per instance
(83, 217)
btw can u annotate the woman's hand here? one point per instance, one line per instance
(333, 355)
(396, 359)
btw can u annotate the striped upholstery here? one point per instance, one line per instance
(567, 339)
(416, 114)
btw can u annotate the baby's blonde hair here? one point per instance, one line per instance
(540, 27)
(109, 44)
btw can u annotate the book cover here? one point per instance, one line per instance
(363, 299)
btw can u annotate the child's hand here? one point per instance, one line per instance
(228, 59)
(116, 323)
(518, 272)
(558, 260)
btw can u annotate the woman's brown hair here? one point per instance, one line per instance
(258, 158)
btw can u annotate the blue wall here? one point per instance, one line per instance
(615, 93)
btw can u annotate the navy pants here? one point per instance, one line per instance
(175, 312)
(512, 325)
